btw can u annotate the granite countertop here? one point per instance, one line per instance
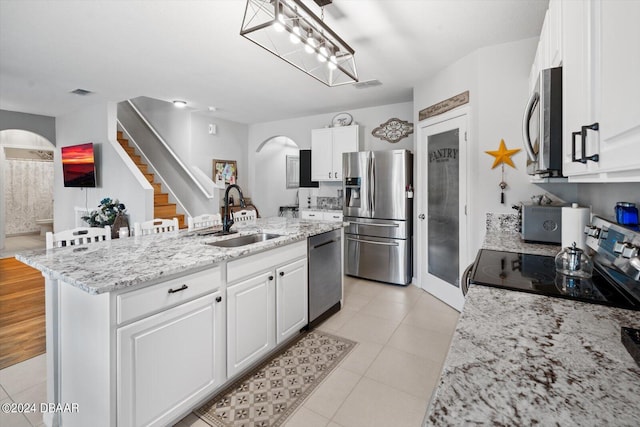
(121, 263)
(525, 359)
(321, 209)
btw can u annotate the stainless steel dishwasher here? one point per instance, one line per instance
(325, 275)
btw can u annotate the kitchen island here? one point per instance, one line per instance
(141, 330)
(526, 359)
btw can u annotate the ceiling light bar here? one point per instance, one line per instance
(289, 30)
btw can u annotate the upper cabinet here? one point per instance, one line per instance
(327, 146)
(601, 111)
(549, 51)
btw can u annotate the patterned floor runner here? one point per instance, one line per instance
(274, 390)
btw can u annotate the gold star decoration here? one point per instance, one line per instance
(502, 155)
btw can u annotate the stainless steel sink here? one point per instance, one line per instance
(244, 240)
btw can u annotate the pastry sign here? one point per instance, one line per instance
(393, 130)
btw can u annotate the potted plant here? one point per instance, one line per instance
(110, 212)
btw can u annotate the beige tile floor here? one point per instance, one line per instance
(403, 336)
(15, 244)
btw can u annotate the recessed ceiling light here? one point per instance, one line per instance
(180, 104)
(212, 109)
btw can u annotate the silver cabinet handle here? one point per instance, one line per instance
(372, 242)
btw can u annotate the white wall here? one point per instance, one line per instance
(229, 143)
(187, 133)
(603, 197)
(497, 79)
(96, 124)
(299, 130)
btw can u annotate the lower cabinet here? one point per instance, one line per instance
(250, 321)
(292, 299)
(168, 361)
(266, 303)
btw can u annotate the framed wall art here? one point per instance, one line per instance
(225, 170)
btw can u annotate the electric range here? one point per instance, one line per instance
(615, 281)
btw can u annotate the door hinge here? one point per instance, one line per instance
(465, 135)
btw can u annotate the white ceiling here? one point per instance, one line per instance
(192, 50)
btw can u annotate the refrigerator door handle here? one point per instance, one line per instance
(373, 224)
(372, 242)
(373, 186)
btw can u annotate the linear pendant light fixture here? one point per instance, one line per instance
(289, 30)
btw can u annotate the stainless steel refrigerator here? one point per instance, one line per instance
(378, 196)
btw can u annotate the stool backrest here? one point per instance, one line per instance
(77, 236)
(155, 226)
(203, 221)
(244, 216)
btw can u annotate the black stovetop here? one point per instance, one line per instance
(536, 274)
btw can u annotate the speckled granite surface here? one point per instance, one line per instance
(524, 359)
(120, 263)
(503, 235)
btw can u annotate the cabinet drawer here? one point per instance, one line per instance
(310, 215)
(332, 216)
(162, 295)
(253, 264)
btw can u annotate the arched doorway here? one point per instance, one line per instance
(274, 184)
(26, 192)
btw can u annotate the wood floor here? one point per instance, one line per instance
(22, 318)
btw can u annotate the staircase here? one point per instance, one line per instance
(161, 206)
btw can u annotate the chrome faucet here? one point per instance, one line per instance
(227, 222)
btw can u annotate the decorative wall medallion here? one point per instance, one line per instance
(393, 130)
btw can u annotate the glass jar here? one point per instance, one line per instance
(626, 214)
(572, 261)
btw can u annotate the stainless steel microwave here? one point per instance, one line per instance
(542, 125)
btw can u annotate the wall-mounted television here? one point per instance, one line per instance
(78, 165)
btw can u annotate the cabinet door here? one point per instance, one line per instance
(577, 83)
(321, 154)
(619, 90)
(554, 44)
(291, 299)
(250, 321)
(167, 362)
(345, 140)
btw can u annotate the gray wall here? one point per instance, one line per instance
(269, 191)
(186, 132)
(497, 80)
(96, 124)
(42, 125)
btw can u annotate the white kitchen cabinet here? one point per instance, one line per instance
(291, 299)
(266, 291)
(549, 50)
(168, 360)
(250, 321)
(321, 216)
(600, 92)
(327, 147)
